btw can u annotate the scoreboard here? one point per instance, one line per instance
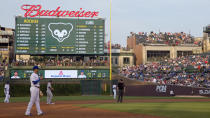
(53, 74)
(59, 36)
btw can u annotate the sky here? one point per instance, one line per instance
(189, 16)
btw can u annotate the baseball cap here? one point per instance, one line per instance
(35, 67)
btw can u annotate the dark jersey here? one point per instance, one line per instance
(121, 86)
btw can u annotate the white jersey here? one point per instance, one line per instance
(15, 77)
(6, 87)
(82, 76)
(6, 92)
(171, 92)
(49, 86)
(34, 77)
(114, 87)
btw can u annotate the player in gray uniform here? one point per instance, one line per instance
(34, 79)
(6, 92)
(49, 92)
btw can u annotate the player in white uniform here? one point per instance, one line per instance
(34, 79)
(6, 92)
(49, 92)
(82, 75)
(114, 87)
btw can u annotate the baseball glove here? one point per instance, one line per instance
(41, 93)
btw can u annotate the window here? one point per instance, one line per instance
(126, 60)
(184, 53)
(116, 60)
(154, 55)
(4, 36)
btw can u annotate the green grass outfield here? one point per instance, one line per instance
(169, 110)
(162, 109)
(71, 98)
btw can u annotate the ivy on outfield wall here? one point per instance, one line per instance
(21, 90)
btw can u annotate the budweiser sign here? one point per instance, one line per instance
(36, 10)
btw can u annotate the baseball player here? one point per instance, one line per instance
(34, 79)
(49, 92)
(82, 75)
(6, 92)
(114, 87)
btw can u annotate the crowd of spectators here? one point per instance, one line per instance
(167, 38)
(184, 71)
(59, 62)
(114, 46)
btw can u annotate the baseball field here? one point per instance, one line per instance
(106, 107)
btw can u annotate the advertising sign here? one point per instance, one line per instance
(80, 74)
(23, 74)
(60, 73)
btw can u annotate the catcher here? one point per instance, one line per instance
(49, 92)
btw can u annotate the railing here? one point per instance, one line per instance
(61, 67)
(170, 44)
(67, 63)
(119, 50)
(191, 45)
(4, 49)
(4, 40)
(155, 44)
(10, 33)
(113, 50)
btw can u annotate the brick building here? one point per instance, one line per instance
(151, 52)
(6, 44)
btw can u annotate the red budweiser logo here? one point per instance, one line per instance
(36, 10)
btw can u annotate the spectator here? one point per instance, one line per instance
(183, 71)
(167, 38)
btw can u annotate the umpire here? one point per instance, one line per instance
(121, 90)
